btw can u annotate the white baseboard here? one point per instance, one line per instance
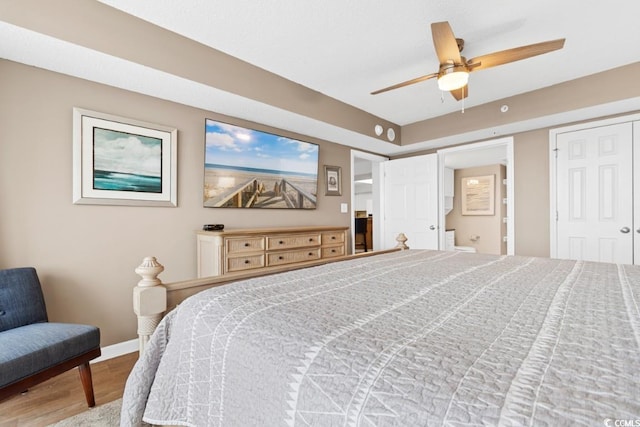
(115, 350)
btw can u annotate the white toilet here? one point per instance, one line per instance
(449, 243)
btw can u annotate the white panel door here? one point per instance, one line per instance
(595, 194)
(411, 201)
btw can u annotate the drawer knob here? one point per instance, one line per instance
(333, 237)
(246, 244)
(311, 239)
(333, 251)
(310, 253)
(280, 242)
(280, 257)
(246, 261)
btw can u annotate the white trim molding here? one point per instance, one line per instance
(116, 350)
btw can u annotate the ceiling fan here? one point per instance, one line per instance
(453, 75)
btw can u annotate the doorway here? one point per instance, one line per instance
(365, 199)
(482, 155)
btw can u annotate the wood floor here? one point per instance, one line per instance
(62, 396)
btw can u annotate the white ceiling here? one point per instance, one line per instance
(346, 49)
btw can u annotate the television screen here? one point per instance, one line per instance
(247, 168)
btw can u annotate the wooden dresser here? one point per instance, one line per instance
(221, 252)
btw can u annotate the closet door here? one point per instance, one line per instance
(595, 194)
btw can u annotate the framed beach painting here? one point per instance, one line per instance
(121, 161)
(249, 168)
(478, 195)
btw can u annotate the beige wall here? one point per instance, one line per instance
(488, 228)
(531, 207)
(85, 255)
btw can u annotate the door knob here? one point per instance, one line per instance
(625, 230)
(432, 227)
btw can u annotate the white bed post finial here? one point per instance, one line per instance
(401, 239)
(149, 299)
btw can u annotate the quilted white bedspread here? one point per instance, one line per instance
(411, 338)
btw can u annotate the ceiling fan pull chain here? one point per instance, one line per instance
(463, 99)
(442, 97)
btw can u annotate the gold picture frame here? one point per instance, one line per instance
(478, 195)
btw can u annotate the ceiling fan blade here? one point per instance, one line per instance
(445, 43)
(512, 55)
(463, 92)
(407, 83)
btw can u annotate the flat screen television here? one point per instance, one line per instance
(248, 168)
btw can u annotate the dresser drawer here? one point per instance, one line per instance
(332, 237)
(292, 241)
(243, 245)
(254, 250)
(248, 262)
(289, 257)
(332, 251)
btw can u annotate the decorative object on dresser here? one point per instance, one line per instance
(120, 161)
(213, 227)
(222, 252)
(248, 168)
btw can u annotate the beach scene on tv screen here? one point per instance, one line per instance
(246, 168)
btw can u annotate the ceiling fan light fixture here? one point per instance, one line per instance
(454, 69)
(452, 78)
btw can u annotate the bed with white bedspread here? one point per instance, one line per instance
(410, 338)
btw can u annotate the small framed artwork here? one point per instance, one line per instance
(120, 161)
(478, 195)
(333, 180)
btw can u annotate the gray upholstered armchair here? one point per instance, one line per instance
(32, 349)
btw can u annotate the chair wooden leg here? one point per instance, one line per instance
(87, 383)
